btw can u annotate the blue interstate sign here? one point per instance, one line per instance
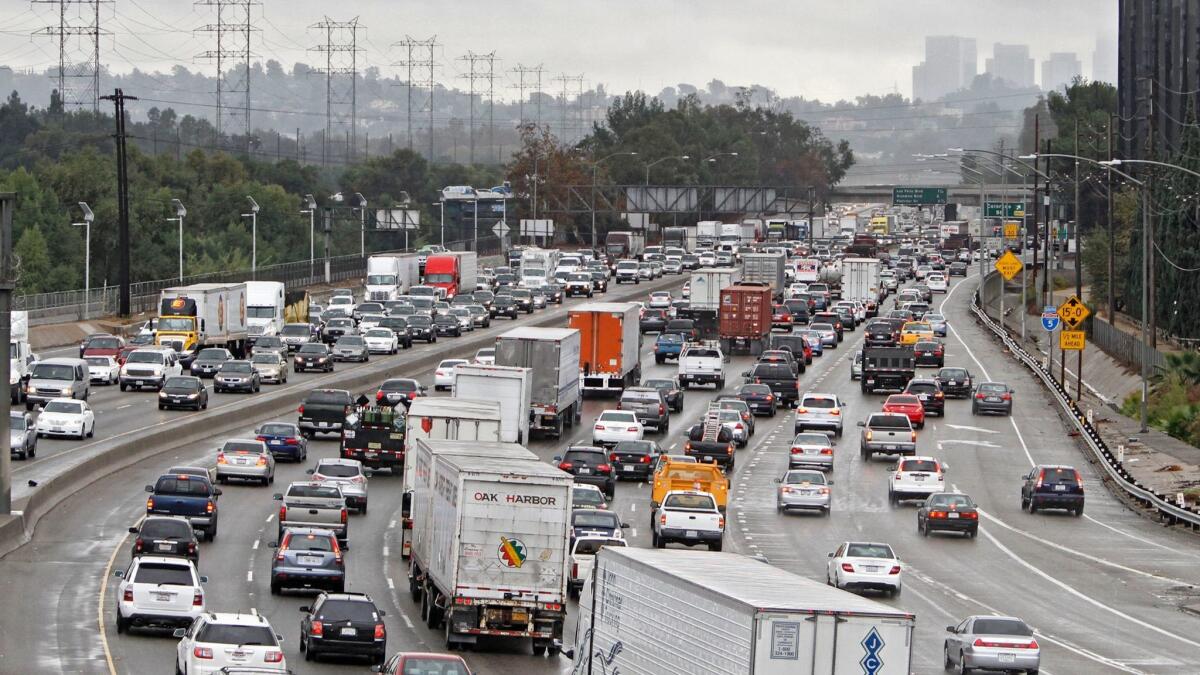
(1050, 318)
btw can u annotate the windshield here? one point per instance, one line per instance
(277, 430)
(67, 407)
(312, 348)
(98, 360)
(182, 384)
(592, 546)
(822, 402)
(182, 485)
(50, 371)
(919, 465)
(265, 358)
(260, 312)
(176, 324)
(104, 343)
(236, 367)
(439, 278)
(381, 279)
(212, 355)
(350, 341)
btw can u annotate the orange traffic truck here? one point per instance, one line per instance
(704, 477)
(610, 345)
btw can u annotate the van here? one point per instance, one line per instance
(57, 378)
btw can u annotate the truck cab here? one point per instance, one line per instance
(264, 308)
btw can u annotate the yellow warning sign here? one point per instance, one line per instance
(1012, 230)
(1071, 340)
(1073, 312)
(1008, 265)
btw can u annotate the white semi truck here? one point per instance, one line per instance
(511, 387)
(264, 308)
(20, 355)
(390, 276)
(552, 354)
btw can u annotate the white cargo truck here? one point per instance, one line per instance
(848, 225)
(264, 308)
(390, 276)
(20, 355)
(677, 612)
(860, 281)
(490, 549)
(511, 387)
(556, 398)
(191, 318)
(706, 285)
(765, 268)
(419, 466)
(708, 231)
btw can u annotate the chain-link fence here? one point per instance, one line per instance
(66, 306)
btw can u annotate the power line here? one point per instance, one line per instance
(412, 61)
(565, 81)
(78, 78)
(341, 62)
(535, 74)
(472, 75)
(232, 31)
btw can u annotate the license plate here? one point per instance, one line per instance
(137, 383)
(1007, 658)
(890, 447)
(165, 546)
(870, 568)
(370, 455)
(953, 516)
(308, 560)
(951, 383)
(163, 597)
(924, 397)
(918, 478)
(1060, 488)
(691, 534)
(627, 467)
(323, 424)
(992, 399)
(583, 471)
(348, 632)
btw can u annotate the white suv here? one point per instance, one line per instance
(916, 478)
(216, 641)
(936, 282)
(628, 270)
(819, 411)
(157, 591)
(149, 367)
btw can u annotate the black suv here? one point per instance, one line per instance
(669, 386)
(447, 325)
(1052, 486)
(590, 465)
(929, 390)
(634, 459)
(505, 305)
(166, 535)
(955, 382)
(399, 326)
(343, 624)
(780, 377)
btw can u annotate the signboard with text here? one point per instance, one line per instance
(1004, 210)
(918, 196)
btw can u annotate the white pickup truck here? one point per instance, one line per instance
(583, 556)
(700, 364)
(688, 517)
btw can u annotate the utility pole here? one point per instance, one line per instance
(566, 81)
(1112, 303)
(1149, 232)
(410, 62)
(1034, 205)
(341, 63)
(520, 86)
(472, 75)
(78, 78)
(1050, 235)
(232, 31)
(118, 98)
(8, 202)
(1078, 267)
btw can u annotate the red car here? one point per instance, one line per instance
(103, 345)
(422, 662)
(781, 318)
(906, 404)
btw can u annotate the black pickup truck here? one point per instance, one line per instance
(187, 495)
(779, 377)
(324, 411)
(710, 441)
(887, 367)
(374, 435)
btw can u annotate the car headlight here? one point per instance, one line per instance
(162, 394)
(67, 391)
(30, 389)
(192, 396)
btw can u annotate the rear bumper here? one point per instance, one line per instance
(349, 647)
(1053, 501)
(948, 525)
(679, 535)
(905, 448)
(299, 577)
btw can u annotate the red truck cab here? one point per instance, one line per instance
(444, 271)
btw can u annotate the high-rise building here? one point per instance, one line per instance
(1104, 60)
(1011, 63)
(949, 65)
(1059, 70)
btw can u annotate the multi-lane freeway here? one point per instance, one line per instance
(1102, 591)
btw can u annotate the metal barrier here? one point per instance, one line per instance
(1168, 511)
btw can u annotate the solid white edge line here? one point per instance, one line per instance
(112, 558)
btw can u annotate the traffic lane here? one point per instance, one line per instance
(132, 416)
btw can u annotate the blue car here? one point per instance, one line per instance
(813, 338)
(284, 441)
(938, 323)
(668, 346)
(308, 558)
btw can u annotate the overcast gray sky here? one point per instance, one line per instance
(827, 49)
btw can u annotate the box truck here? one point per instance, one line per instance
(508, 386)
(765, 268)
(708, 231)
(610, 345)
(191, 318)
(552, 354)
(744, 320)
(683, 237)
(705, 296)
(624, 245)
(20, 355)
(676, 612)
(265, 307)
(490, 549)
(860, 281)
(390, 276)
(454, 271)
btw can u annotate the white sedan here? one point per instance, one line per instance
(443, 375)
(381, 341)
(797, 289)
(486, 356)
(936, 282)
(103, 369)
(659, 300)
(614, 426)
(66, 417)
(864, 566)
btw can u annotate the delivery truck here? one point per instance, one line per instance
(265, 307)
(680, 612)
(390, 276)
(191, 318)
(624, 245)
(610, 341)
(683, 237)
(860, 281)
(508, 386)
(490, 549)
(707, 232)
(552, 354)
(744, 320)
(705, 296)
(20, 355)
(453, 271)
(766, 268)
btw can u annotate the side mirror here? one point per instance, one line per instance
(203, 579)
(120, 574)
(279, 637)
(1012, 391)
(861, 423)
(382, 613)
(305, 609)
(133, 530)
(149, 488)
(829, 482)
(310, 471)
(218, 492)
(558, 458)
(745, 373)
(624, 526)
(778, 480)
(950, 629)
(180, 633)
(277, 497)
(830, 555)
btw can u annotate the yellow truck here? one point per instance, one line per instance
(689, 476)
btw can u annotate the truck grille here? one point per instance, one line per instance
(257, 330)
(139, 372)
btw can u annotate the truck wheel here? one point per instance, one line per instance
(124, 386)
(715, 547)
(539, 650)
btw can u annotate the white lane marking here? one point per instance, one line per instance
(978, 430)
(254, 546)
(391, 584)
(249, 575)
(407, 621)
(386, 550)
(270, 517)
(633, 532)
(1173, 549)
(108, 567)
(392, 524)
(633, 506)
(122, 407)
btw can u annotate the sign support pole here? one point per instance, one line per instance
(1079, 373)
(1050, 365)
(1002, 326)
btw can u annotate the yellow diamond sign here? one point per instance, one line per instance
(1008, 265)
(1073, 312)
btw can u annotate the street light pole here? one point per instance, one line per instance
(310, 207)
(253, 216)
(180, 212)
(88, 217)
(595, 169)
(658, 161)
(362, 224)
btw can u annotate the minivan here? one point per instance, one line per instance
(57, 378)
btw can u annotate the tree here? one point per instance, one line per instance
(32, 261)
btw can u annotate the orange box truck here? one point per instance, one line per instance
(610, 345)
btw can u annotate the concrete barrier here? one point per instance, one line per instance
(134, 448)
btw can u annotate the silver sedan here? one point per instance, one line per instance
(827, 332)
(246, 460)
(811, 449)
(1002, 643)
(804, 489)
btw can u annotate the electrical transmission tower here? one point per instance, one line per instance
(563, 102)
(232, 56)
(413, 62)
(473, 61)
(78, 34)
(535, 85)
(341, 77)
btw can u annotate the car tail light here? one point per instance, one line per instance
(137, 545)
(344, 516)
(746, 415)
(1041, 477)
(292, 441)
(613, 458)
(379, 632)
(729, 449)
(662, 409)
(262, 460)
(801, 411)
(282, 513)
(847, 567)
(220, 458)
(261, 438)
(939, 395)
(739, 426)
(300, 409)
(598, 427)
(645, 459)
(970, 515)
(913, 436)
(191, 547)
(273, 656)
(937, 514)
(128, 595)
(826, 451)
(150, 503)
(379, 395)
(662, 520)
(895, 569)
(197, 599)
(202, 652)
(1006, 397)
(210, 506)
(317, 629)
(835, 412)
(721, 522)
(770, 397)
(604, 468)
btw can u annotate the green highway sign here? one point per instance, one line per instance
(918, 196)
(1010, 210)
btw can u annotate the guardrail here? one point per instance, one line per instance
(1168, 511)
